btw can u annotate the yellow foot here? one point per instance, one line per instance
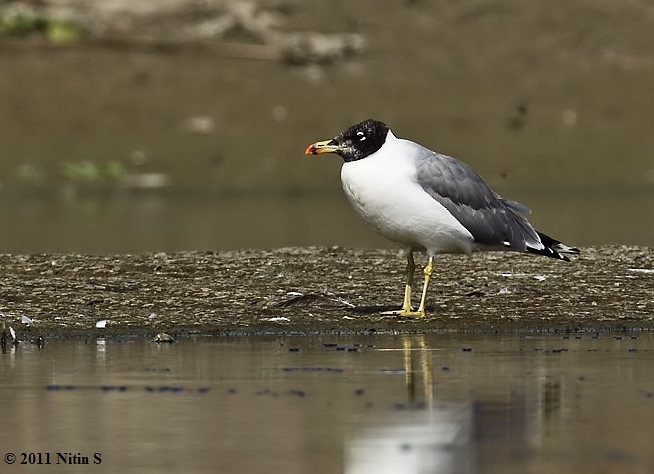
(405, 313)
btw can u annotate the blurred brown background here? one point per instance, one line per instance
(164, 125)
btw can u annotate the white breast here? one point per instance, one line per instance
(383, 189)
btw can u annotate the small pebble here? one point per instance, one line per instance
(467, 349)
(293, 349)
(163, 338)
(359, 391)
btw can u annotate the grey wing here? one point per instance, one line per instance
(491, 219)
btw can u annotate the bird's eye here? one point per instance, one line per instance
(361, 136)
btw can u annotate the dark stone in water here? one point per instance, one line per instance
(265, 391)
(467, 349)
(56, 387)
(359, 391)
(293, 349)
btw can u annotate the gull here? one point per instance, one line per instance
(427, 201)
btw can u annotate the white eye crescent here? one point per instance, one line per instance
(361, 135)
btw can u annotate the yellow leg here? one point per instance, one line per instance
(406, 308)
(427, 271)
(410, 270)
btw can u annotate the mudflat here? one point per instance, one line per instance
(327, 290)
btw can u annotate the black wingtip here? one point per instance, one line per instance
(553, 248)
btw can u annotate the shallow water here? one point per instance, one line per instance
(143, 223)
(401, 404)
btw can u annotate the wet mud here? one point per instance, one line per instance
(321, 291)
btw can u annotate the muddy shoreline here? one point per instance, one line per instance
(321, 291)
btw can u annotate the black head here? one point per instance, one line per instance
(355, 143)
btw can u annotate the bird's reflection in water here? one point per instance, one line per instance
(420, 436)
(434, 432)
(418, 372)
